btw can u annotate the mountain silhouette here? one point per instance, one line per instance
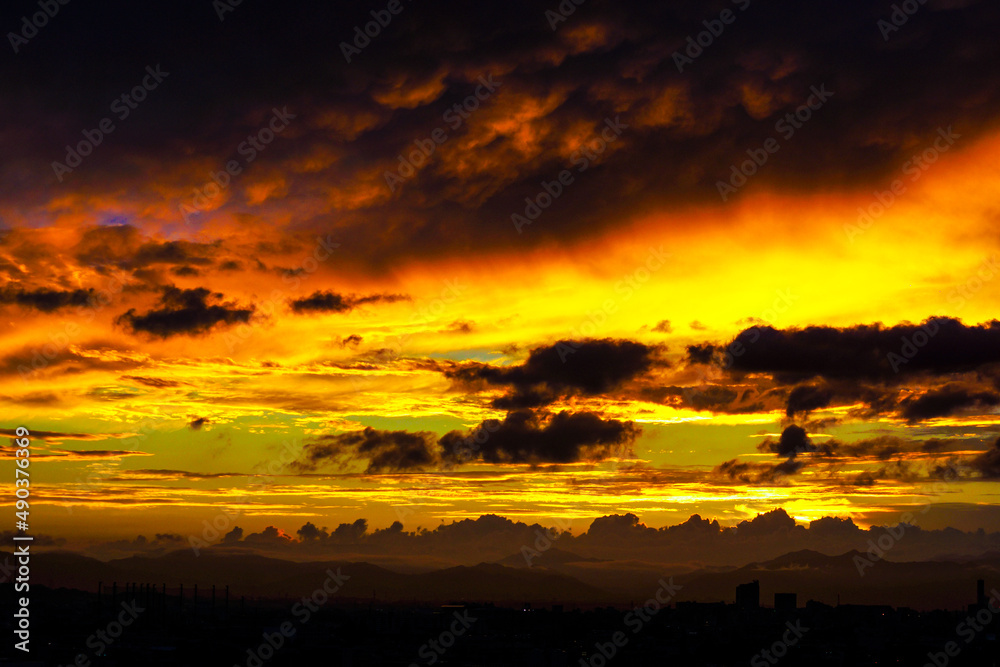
(555, 576)
(270, 577)
(549, 559)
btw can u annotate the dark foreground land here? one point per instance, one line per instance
(75, 628)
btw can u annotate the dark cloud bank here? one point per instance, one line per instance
(621, 537)
(609, 59)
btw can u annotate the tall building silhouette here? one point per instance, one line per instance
(748, 595)
(785, 601)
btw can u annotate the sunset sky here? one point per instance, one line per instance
(578, 273)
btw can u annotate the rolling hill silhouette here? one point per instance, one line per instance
(271, 577)
(556, 577)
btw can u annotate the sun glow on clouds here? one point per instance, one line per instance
(309, 308)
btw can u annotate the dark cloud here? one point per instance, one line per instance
(332, 302)
(881, 448)
(185, 312)
(379, 298)
(933, 445)
(663, 326)
(792, 442)
(619, 537)
(875, 352)
(589, 367)
(310, 532)
(949, 400)
(354, 340)
(46, 300)
(832, 526)
(460, 326)
(173, 252)
(350, 531)
(790, 445)
(83, 454)
(526, 437)
(806, 398)
(735, 398)
(685, 129)
(159, 383)
(769, 524)
(169, 537)
(758, 473)
(941, 367)
(712, 397)
(864, 479)
(523, 436)
(525, 398)
(233, 536)
(269, 537)
(107, 244)
(322, 302)
(196, 424)
(91, 355)
(125, 246)
(386, 451)
(54, 435)
(38, 398)
(150, 473)
(987, 464)
(615, 526)
(700, 354)
(789, 467)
